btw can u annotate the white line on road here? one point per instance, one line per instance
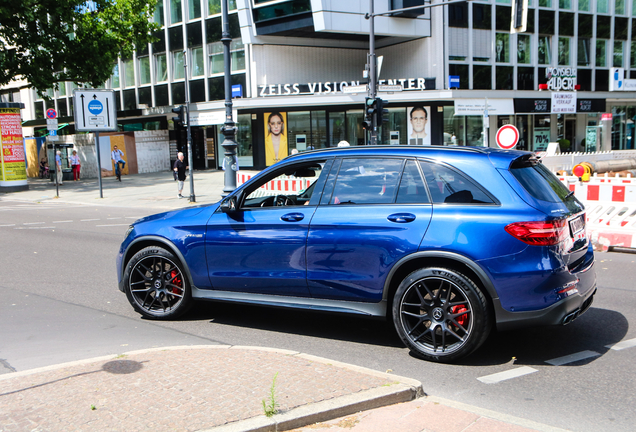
(629, 343)
(32, 223)
(133, 217)
(560, 361)
(7, 225)
(111, 225)
(113, 218)
(506, 375)
(35, 227)
(88, 220)
(66, 221)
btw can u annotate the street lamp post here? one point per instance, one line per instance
(189, 132)
(229, 128)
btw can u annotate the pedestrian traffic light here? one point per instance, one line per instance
(181, 114)
(381, 112)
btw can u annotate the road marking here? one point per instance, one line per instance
(34, 227)
(67, 221)
(7, 225)
(112, 225)
(560, 361)
(113, 218)
(506, 375)
(32, 223)
(629, 343)
(133, 217)
(88, 220)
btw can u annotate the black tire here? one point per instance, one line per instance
(441, 314)
(156, 284)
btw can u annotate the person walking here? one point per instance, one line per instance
(75, 165)
(180, 168)
(117, 157)
(58, 167)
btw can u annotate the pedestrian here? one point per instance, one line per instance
(117, 157)
(75, 165)
(180, 168)
(58, 167)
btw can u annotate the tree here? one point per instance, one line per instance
(51, 41)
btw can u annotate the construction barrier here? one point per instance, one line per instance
(279, 186)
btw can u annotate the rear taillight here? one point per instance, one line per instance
(539, 233)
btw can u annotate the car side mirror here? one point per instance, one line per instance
(230, 205)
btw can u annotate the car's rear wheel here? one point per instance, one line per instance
(156, 285)
(440, 314)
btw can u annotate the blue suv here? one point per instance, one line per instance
(447, 242)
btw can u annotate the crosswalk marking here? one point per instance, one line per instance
(571, 358)
(506, 375)
(629, 343)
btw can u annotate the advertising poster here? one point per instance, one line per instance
(541, 139)
(12, 155)
(419, 129)
(275, 137)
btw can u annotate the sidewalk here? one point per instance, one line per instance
(216, 388)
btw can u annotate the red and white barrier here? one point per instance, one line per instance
(279, 186)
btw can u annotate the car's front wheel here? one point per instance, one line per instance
(156, 285)
(440, 314)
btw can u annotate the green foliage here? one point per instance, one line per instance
(51, 41)
(271, 408)
(564, 144)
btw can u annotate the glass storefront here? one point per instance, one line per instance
(462, 130)
(623, 118)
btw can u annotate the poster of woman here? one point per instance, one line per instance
(275, 137)
(419, 130)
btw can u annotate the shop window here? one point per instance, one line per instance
(525, 78)
(564, 51)
(214, 6)
(129, 73)
(161, 68)
(566, 24)
(194, 9)
(393, 131)
(585, 25)
(461, 71)
(502, 48)
(458, 15)
(177, 65)
(157, 17)
(503, 77)
(161, 95)
(145, 96)
(584, 79)
(502, 20)
(160, 44)
(601, 52)
(130, 100)
(482, 78)
(619, 7)
(144, 70)
(482, 16)
(546, 22)
(602, 6)
(523, 49)
(462, 130)
(601, 83)
(178, 93)
(175, 37)
(197, 62)
(337, 128)
(583, 52)
(175, 11)
(620, 28)
(197, 91)
(584, 5)
(544, 50)
(619, 54)
(114, 78)
(356, 135)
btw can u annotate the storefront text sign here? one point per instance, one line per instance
(619, 83)
(561, 78)
(332, 87)
(208, 118)
(563, 103)
(468, 107)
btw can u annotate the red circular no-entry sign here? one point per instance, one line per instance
(507, 136)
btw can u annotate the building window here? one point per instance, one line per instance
(197, 62)
(543, 50)
(584, 5)
(144, 70)
(482, 78)
(214, 6)
(129, 73)
(502, 48)
(545, 3)
(237, 51)
(62, 89)
(158, 15)
(216, 58)
(177, 65)
(564, 51)
(194, 9)
(523, 49)
(114, 78)
(619, 7)
(175, 11)
(602, 6)
(583, 57)
(565, 4)
(618, 53)
(601, 52)
(161, 68)
(458, 15)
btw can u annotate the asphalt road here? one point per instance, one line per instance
(60, 302)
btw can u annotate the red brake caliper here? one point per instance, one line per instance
(175, 281)
(462, 319)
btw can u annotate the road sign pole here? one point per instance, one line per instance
(188, 133)
(99, 166)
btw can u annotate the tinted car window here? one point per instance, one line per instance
(450, 187)
(367, 181)
(412, 189)
(539, 182)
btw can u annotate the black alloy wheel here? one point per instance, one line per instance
(156, 285)
(440, 314)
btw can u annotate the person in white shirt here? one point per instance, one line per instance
(75, 165)
(117, 157)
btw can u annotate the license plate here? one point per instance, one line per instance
(577, 225)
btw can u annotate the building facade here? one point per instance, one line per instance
(298, 76)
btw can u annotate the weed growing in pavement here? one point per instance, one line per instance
(270, 408)
(93, 407)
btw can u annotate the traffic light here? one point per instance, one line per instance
(181, 115)
(369, 111)
(381, 112)
(519, 16)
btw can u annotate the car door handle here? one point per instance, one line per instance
(401, 217)
(292, 217)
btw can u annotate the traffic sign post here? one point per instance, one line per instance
(507, 136)
(95, 110)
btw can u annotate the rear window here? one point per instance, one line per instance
(539, 181)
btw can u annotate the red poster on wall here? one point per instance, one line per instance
(12, 155)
